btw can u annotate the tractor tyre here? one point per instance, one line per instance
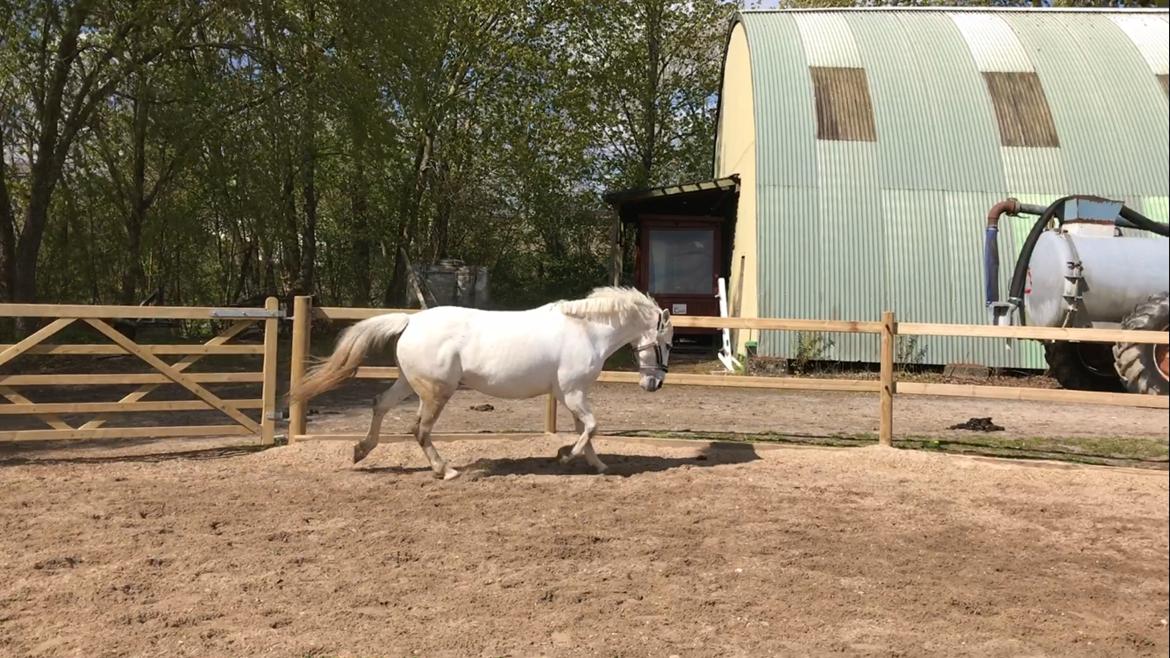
(1144, 368)
(1082, 366)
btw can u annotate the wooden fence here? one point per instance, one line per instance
(163, 373)
(887, 387)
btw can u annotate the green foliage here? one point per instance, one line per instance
(222, 151)
(909, 354)
(811, 347)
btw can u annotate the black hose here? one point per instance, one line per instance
(1020, 273)
(1139, 220)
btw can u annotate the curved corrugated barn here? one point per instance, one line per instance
(870, 144)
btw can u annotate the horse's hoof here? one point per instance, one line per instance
(359, 453)
(447, 473)
(602, 470)
(565, 454)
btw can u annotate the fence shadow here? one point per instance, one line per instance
(22, 453)
(621, 465)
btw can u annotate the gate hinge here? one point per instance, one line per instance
(246, 313)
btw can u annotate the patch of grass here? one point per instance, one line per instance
(842, 440)
(1108, 451)
(1128, 451)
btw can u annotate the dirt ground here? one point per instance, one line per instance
(687, 548)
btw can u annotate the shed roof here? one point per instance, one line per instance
(709, 197)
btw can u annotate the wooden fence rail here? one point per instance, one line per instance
(164, 372)
(886, 386)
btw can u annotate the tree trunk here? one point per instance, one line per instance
(242, 280)
(51, 150)
(309, 231)
(134, 276)
(441, 229)
(360, 228)
(408, 220)
(650, 93)
(308, 136)
(7, 240)
(28, 247)
(292, 251)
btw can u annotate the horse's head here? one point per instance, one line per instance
(653, 350)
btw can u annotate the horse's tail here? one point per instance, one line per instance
(352, 347)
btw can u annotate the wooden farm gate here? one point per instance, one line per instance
(75, 420)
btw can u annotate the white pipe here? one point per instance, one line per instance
(725, 354)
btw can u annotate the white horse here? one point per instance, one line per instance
(559, 348)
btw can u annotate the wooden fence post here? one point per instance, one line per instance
(302, 322)
(550, 414)
(268, 392)
(888, 385)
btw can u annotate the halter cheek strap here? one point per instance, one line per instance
(659, 366)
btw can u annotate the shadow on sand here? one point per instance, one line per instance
(20, 454)
(713, 454)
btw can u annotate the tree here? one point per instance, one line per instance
(69, 57)
(223, 151)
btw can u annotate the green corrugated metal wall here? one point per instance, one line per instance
(846, 229)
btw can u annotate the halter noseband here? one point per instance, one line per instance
(659, 366)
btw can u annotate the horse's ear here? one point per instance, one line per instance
(664, 318)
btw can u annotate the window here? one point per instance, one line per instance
(1021, 109)
(682, 261)
(844, 111)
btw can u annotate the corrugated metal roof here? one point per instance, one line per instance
(1148, 34)
(1113, 138)
(846, 229)
(827, 40)
(993, 44)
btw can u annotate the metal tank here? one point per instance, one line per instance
(1088, 262)
(1083, 280)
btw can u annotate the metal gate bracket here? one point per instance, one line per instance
(245, 313)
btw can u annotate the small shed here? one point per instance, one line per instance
(683, 235)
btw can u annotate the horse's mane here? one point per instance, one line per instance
(609, 303)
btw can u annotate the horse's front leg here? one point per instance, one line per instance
(586, 425)
(563, 451)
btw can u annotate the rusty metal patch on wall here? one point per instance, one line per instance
(844, 110)
(1021, 109)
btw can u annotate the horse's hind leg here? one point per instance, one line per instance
(382, 404)
(587, 426)
(432, 399)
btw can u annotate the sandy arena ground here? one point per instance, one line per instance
(686, 549)
(624, 407)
